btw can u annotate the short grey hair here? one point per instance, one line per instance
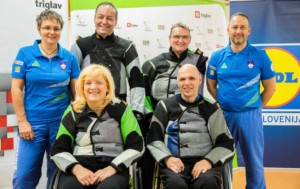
(49, 15)
(179, 25)
(240, 14)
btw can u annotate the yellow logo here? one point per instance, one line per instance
(287, 70)
(17, 69)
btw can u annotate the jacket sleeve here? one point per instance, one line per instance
(61, 151)
(155, 138)
(149, 73)
(78, 54)
(223, 144)
(135, 79)
(133, 142)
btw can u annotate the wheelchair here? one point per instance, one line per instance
(226, 178)
(135, 181)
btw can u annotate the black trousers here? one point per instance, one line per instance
(117, 181)
(211, 179)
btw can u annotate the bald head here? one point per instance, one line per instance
(189, 68)
(189, 80)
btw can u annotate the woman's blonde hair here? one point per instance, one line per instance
(97, 71)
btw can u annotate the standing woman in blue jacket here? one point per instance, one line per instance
(47, 72)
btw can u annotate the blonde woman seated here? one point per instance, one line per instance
(99, 136)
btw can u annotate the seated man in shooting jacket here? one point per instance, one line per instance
(189, 137)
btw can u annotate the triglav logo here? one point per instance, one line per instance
(198, 14)
(205, 15)
(47, 5)
(130, 25)
(218, 46)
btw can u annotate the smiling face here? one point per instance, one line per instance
(179, 39)
(105, 20)
(95, 89)
(50, 31)
(189, 80)
(239, 30)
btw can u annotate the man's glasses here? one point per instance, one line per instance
(49, 29)
(184, 37)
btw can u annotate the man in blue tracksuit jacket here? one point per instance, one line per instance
(233, 76)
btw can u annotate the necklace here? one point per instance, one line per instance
(48, 54)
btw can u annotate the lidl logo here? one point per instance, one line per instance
(287, 70)
(197, 14)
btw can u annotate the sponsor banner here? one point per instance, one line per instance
(19, 28)
(280, 39)
(286, 99)
(151, 28)
(281, 119)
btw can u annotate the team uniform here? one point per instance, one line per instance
(120, 56)
(161, 73)
(239, 76)
(113, 139)
(191, 132)
(46, 97)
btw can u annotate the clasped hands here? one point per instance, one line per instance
(176, 165)
(87, 178)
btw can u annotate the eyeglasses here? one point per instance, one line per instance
(184, 37)
(49, 29)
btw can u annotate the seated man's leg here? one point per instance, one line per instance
(117, 181)
(172, 180)
(211, 179)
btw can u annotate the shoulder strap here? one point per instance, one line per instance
(207, 109)
(86, 45)
(201, 64)
(97, 52)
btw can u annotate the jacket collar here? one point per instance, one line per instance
(173, 57)
(189, 104)
(245, 51)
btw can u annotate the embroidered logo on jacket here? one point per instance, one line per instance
(35, 64)
(224, 66)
